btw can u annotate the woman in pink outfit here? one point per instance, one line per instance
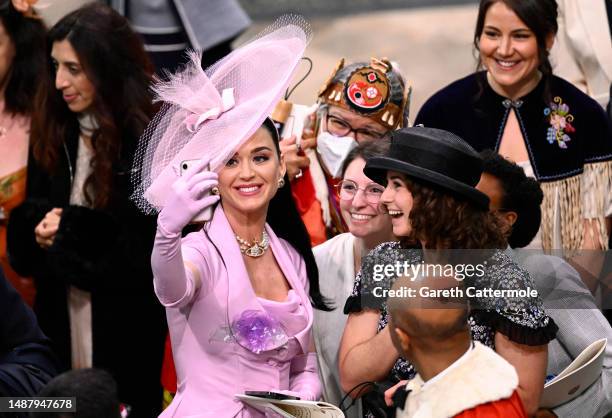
(239, 292)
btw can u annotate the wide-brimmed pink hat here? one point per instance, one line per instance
(210, 114)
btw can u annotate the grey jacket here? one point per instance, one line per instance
(206, 22)
(569, 302)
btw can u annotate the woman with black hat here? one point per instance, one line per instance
(430, 176)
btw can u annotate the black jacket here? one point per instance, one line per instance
(471, 109)
(106, 252)
(26, 360)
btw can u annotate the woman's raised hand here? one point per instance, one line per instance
(295, 159)
(189, 196)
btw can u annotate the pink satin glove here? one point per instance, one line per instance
(304, 377)
(173, 285)
(188, 198)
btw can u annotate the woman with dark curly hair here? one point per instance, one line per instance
(22, 59)
(78, 234)
(430, 176)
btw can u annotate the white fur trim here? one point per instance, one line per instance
(482, 376)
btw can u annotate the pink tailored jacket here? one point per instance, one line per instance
(210, 367)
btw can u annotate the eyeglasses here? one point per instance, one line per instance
(339, 127)
(347, 190)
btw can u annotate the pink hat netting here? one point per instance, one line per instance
(210, 114)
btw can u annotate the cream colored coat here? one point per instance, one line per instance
(582, 53)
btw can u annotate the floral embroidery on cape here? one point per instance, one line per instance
(560, 123)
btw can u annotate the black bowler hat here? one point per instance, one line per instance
(436, 157)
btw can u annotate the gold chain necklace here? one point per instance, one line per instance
(256, 249)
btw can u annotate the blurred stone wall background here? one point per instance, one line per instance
(269, 8)
(431, 41)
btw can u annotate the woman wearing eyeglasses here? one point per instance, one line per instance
(340, 258)
(360, 102)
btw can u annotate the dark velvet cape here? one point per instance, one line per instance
(568, 139)
(471, 109)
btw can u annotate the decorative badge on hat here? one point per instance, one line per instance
(367, 90)
(375, 89)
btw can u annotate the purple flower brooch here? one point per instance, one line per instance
(254, 330)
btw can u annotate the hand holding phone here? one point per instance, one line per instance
(188, 197)
(206, 214)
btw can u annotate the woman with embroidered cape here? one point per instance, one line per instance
(517, 107)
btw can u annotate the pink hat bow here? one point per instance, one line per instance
(226, 102)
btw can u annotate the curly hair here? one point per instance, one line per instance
(114, 60)
(96, 390)
(521, 194)
(27, 68)
(443, 221)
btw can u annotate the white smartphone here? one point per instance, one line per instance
(206, 214)
(295, 122)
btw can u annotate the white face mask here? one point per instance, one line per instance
(333, 151)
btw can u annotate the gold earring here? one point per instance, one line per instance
(281, 183)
